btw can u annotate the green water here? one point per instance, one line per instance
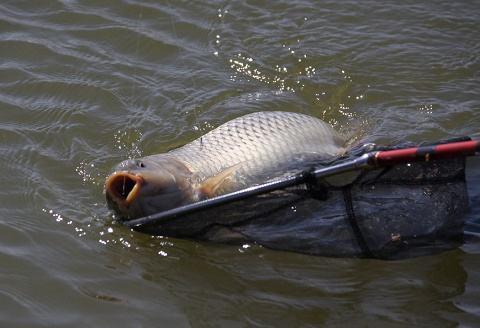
(86, 84)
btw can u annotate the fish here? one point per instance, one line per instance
(245, 151)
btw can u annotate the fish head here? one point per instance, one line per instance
(146, 186)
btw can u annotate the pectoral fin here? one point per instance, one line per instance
(222, 180)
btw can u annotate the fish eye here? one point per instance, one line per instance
(139, 163)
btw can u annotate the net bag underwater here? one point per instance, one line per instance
(409, 208)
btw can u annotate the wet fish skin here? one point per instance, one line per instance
(244, 151)
(259, 140)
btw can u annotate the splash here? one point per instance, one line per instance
(89, 173)
(111, 235)
(78, 230)
(128, 142)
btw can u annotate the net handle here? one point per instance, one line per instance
(426, 153)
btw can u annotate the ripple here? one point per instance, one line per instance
(86, 84)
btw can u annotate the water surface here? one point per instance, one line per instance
(86, 84)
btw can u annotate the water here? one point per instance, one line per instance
(86, 84)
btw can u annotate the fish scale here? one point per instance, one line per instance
(259, 141)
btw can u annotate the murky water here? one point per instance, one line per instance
(86, 84)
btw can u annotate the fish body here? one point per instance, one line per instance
(240, 153)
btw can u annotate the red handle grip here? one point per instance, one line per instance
(426, 153)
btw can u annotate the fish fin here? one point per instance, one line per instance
(210, 186)
(342, 151)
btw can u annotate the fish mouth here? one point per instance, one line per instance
(124, 187)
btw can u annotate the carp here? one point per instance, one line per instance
(240, 153)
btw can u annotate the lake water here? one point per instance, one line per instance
(86, 84)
